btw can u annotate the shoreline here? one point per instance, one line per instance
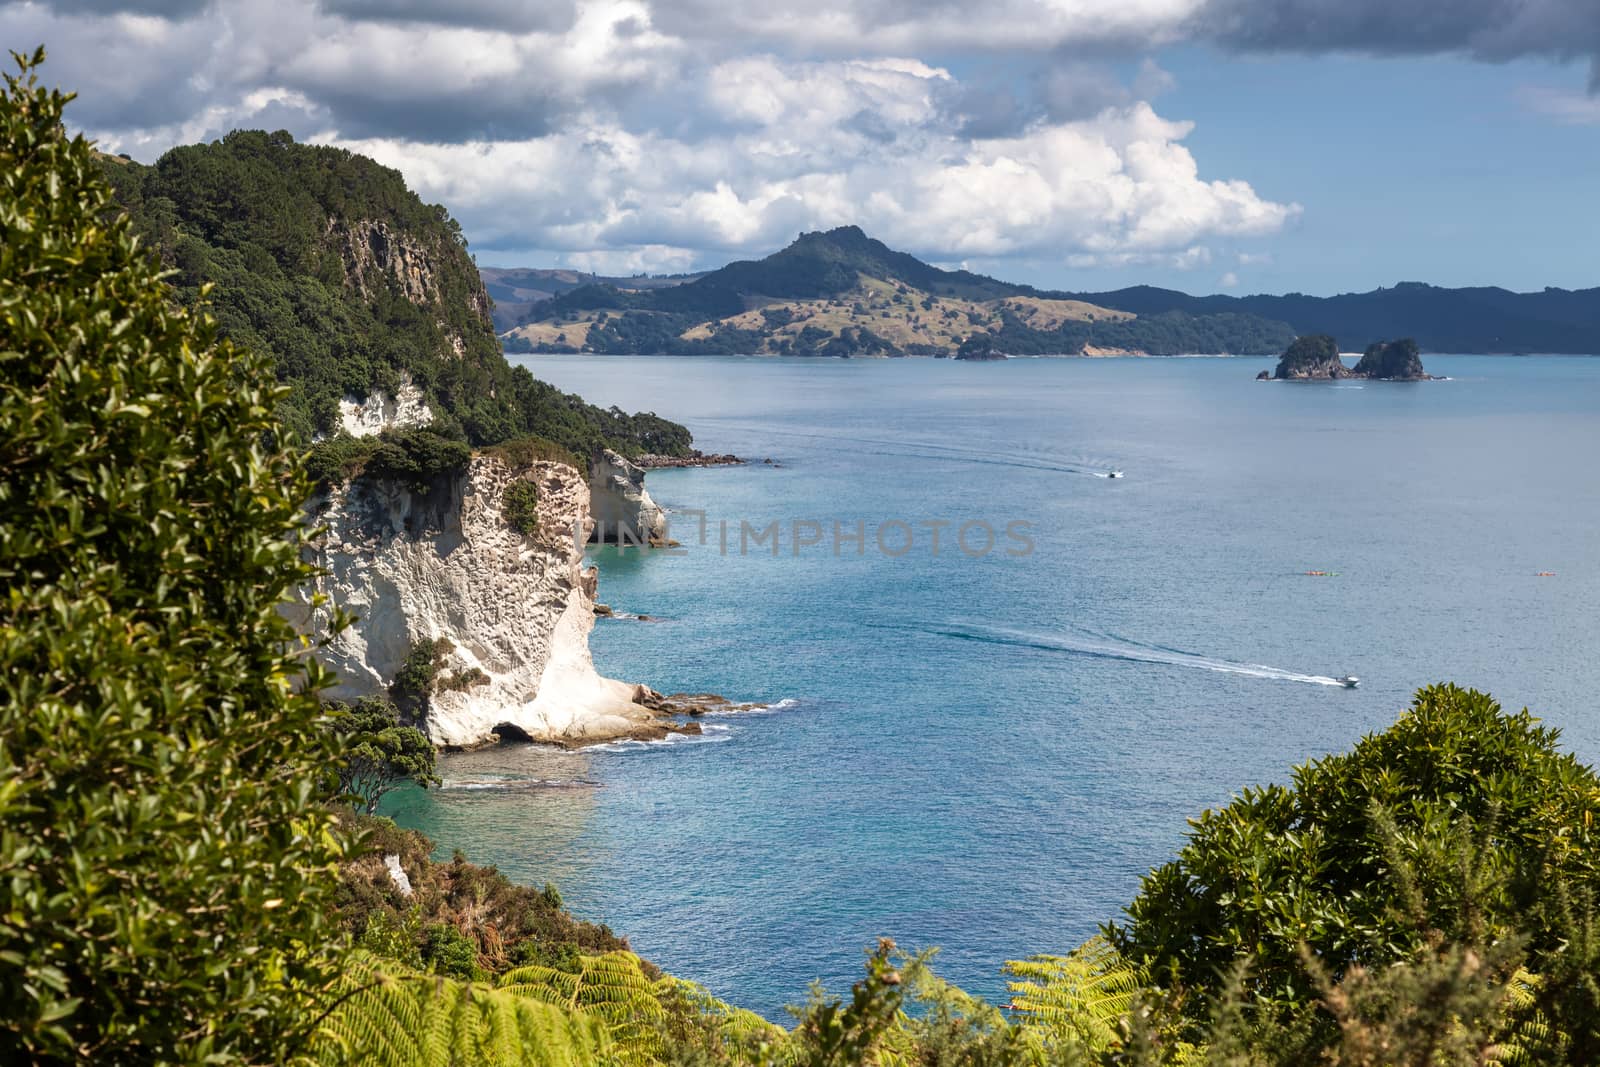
(651, 461)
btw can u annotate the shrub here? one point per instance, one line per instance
(521, 507)
(1316, 863)
(168, 858)
(414, 683)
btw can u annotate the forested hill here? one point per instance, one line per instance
(1480, 319)
(324, 259)
(841, 293)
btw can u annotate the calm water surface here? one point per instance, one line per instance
(985, 754)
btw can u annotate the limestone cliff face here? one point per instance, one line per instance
(622, 508)
(447, 564)
(380, 411)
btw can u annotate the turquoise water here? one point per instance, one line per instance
(985, 753)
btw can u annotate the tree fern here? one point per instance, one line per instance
(611, 988)
(741, 1035)
(1076, 999)
(407, 1020)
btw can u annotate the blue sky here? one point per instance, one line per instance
(1408, 169)
(1206, 145)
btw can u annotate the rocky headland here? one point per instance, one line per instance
(505, 613)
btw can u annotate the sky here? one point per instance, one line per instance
(1236, 146)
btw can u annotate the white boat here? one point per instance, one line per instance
(1349, 681)
(1114, 473)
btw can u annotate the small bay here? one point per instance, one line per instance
(985, 750)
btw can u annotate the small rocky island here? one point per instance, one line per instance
(980, 346)
(1316, 357)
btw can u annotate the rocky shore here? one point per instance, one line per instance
(650, 461)
(669, 713)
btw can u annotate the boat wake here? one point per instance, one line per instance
(1108, 646)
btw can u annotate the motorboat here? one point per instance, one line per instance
(1349, 681)
(1113, 473)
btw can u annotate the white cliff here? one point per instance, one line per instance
(516, 608)
(380, 411)
(621, 506)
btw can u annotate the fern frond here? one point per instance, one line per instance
(612, 988)
(411, 1020)
(1076, 999)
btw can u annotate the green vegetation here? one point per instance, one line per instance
(521, 506)
(415, 682)
(325, 262)
(168, 862)
(377, 753)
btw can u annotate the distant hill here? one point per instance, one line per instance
(516, 290)
(1441, 320)
(841, 293)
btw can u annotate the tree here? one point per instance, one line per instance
(166, 856)
(379, 754)
(1329, 861)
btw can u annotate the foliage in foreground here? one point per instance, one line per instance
(1455, 845)
(166, 864)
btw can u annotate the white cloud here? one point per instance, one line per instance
(1228, 280)
(624, 137)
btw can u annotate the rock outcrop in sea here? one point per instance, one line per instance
(514, 610)
(1313, 356)
(1392, 361)
(619, 503)
(1316, 356)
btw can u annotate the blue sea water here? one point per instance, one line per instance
(984, 753)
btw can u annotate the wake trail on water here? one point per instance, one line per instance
(1108, 646)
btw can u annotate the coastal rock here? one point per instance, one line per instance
(651, 461)
(1392, 361)
(380, 411)
(622, 509)
(446, 564)
(979, 346)
(1315, 356)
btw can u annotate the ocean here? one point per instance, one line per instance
(983, 748)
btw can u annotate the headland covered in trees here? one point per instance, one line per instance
(188, 878)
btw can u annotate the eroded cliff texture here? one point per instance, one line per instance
(517, 608)
(620, 504)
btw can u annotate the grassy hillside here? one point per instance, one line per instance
(324, 260)
(841, 293)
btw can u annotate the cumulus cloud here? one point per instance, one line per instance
(671, 132)
(1118, 187)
